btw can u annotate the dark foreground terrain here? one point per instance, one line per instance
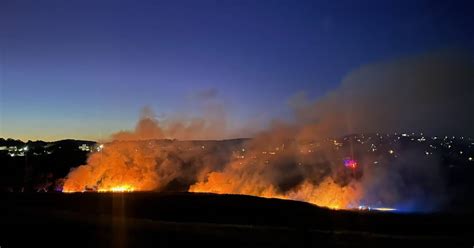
(203, 220)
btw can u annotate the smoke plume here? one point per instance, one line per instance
(429, 93)
(298, 160)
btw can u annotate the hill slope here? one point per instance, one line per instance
(172, 219)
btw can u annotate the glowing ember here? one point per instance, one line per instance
(368, 208)
(326, 194)
(385, 209)
(120, 188)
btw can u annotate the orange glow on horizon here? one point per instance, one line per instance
(119, 188)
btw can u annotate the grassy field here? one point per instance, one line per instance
(196, 220)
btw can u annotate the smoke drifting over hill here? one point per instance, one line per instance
(428, 93)
(212, 125)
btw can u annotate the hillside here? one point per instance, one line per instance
(171, 219)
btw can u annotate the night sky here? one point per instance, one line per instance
(84, 69)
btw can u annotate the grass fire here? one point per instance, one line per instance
(277, 163)
(236, 123)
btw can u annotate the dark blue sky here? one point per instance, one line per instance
(83, 69)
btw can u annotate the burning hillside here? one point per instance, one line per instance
(300, 160)
(282, 172)
(273, 164)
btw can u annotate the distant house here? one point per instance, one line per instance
(85, 147)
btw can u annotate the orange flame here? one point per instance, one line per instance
(264, 167)
(326, 194)
(119, 188)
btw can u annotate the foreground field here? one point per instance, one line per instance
(177, 219)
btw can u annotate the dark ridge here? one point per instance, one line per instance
(175, 219)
